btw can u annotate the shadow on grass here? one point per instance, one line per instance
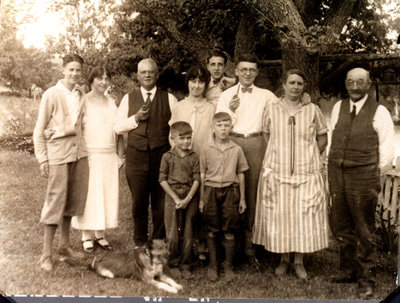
(21, 196)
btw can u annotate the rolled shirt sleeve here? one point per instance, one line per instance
(383, 124)
(124, 124)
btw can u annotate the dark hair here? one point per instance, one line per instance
(217, 53)
(293, 71)
(72, 58)
(181, 128)
(98, 72)
(222, 116)
(246, 57)
(200, 72)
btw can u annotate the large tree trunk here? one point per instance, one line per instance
(192, 41)
(290, 29)
(338, 16)
(294, 56)
(244, 41)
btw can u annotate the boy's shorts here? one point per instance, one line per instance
(66, 194)
(221, 208)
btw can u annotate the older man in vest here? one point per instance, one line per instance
(144, 115)
(360, 152)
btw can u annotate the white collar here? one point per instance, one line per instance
(359, 104)
(152, 91)
(61, 85)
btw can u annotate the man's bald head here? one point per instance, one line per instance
(358, 83)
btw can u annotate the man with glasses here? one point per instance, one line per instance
(361, 151)
(245, 102)
(144, 115)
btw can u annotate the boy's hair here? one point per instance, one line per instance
(72, 58)
(98, 72)
(217, 53)
(246, 57)
(221, 116)
(181, 128)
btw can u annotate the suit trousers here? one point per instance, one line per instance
(254, 151)
(142, 169)
(354, 193)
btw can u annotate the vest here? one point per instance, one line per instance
(154, 131)
(355, 143)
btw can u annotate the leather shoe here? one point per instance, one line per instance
(300, 271)
(67, 251)
(46, 264)
(282, 269)
(255, 263)
(344, 278)
(366, 292)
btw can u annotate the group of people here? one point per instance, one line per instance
(231, 165)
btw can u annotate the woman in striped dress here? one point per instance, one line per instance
(291, 210)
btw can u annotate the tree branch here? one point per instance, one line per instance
(186, 37)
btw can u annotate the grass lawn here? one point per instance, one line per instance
(21, 197)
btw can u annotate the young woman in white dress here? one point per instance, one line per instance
(105, 154)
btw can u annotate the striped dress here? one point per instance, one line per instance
(291, 210)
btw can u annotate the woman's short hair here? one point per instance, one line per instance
(98, 72)
(293, 71)
(72, 58)
(200, 72)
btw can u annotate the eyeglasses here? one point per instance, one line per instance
(243, 70)
(350, 83)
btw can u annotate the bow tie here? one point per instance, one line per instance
(248, 89)
(215, 81)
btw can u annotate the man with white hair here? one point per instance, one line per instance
(361, 151)
(144, 115)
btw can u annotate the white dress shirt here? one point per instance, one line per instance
(247, 118)
(123, 123)
(382, 124)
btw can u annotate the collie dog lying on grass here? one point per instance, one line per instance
(144, 262)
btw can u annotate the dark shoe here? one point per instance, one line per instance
(88, 246)
(344, 278)
(174, 272)
(366, 293)
(186, 274)
(229, 275)
(46, 264)
(103, 243)
(67, 251)
(300, 271)
(255, 263)
(282, 269)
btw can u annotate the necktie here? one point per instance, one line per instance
(247, 89)
(148, 99)
(353, 113)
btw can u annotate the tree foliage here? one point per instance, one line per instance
(20, 67)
